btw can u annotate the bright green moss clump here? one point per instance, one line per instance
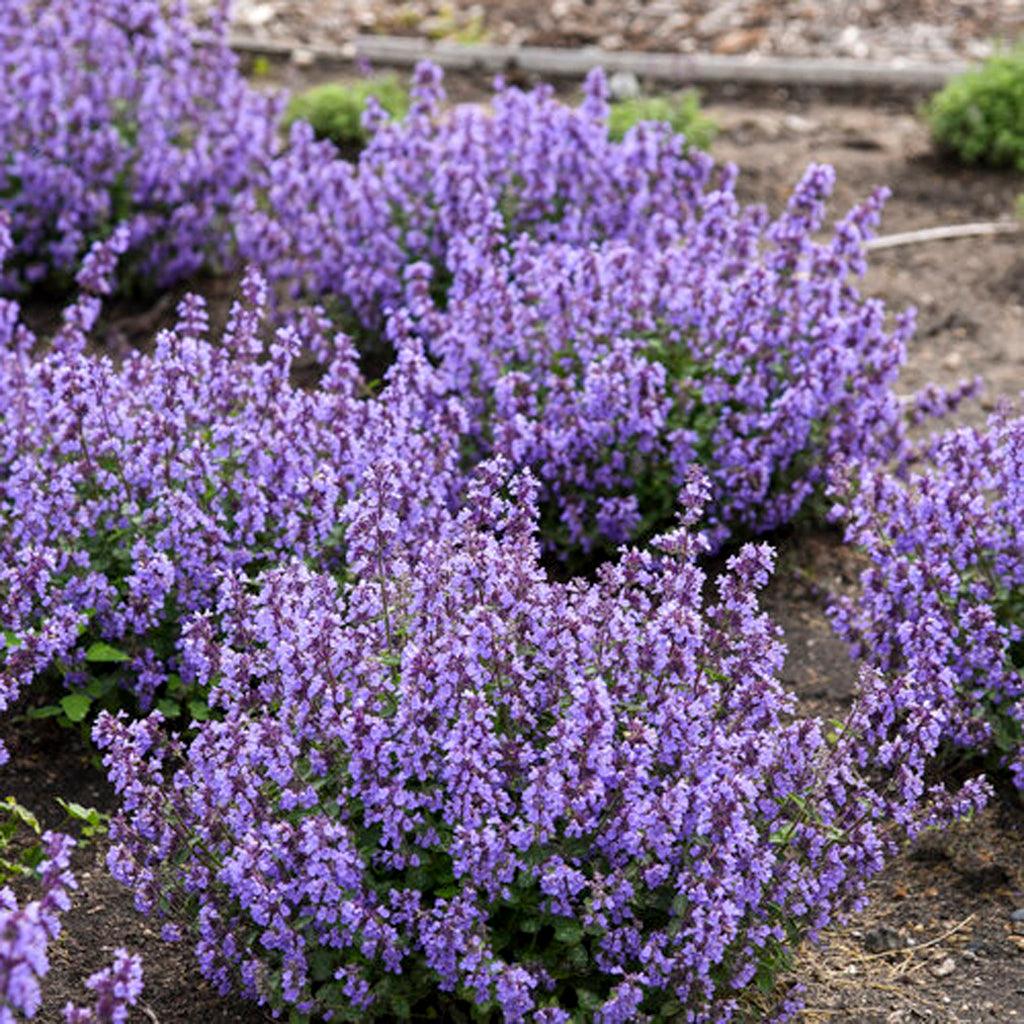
(335, 110)
(681, 111)
(979, 116)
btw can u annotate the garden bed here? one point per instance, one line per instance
(951, 896)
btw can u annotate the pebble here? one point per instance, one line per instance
(1018, 915)
(883, 940)
(624, 85)
(945, 968)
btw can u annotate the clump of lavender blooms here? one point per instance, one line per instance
(26, 931)
(127, 490)
(448, 779)
(116, 990)
(942, 605)
(531, 164)
(123, 111)
(610, 311)
(610, 371)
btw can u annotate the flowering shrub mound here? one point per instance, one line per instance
(943, 603)
(530, 164)
(610, 371)
(127, 490)
(123, 111)
(609, 310)
(452, 779)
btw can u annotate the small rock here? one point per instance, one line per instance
(624, 85)
(739, 40)
(799, 125)
(1018, 915)
(720, 17)
(945, 968)
(258, 15)
(883, 940)
(303, 58)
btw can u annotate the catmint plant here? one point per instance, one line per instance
(744, 348)
(116, 989)
(127, 489)
(26, 930)
(942, 602)
(448, 782)
(326, 228)
(123, 111)
(609, 311)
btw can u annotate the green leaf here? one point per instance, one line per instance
(23, 814)
(199, 709)
(568, 932)
(98, 688)
(168, 708)
(103, 653)
(76, 706)
(49, 711)
(75, 810)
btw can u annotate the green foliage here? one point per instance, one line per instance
(979, 116)
(335, 110)
(15, 820)
(21, 848)
(680, 111)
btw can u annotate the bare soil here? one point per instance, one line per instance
(937, 942)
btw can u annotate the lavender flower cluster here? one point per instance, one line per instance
(529, 164)
(127, 490)
(123, 111)
(609, 312)
(610, 371)
(26, 932)
(942, 607)
(449, 773)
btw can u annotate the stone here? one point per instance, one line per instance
(883, 940)
(258, 15)
(624, 85)
(740, 40)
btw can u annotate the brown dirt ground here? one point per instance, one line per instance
(943, 909)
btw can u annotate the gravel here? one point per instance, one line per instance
(932, 30)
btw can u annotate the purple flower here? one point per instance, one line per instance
(940, 612)
(423, 767)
